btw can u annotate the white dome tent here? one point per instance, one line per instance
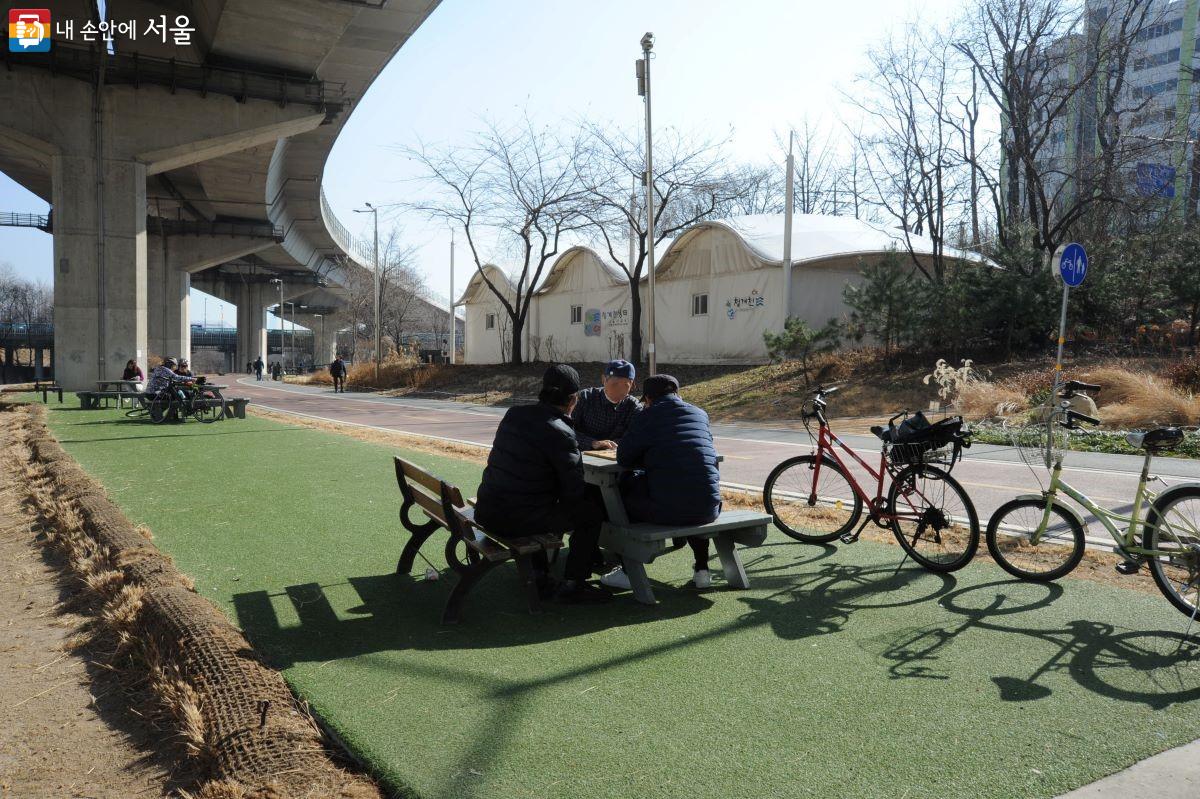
(718, 287)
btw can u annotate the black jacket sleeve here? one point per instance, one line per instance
(568, 465)
(636, 441)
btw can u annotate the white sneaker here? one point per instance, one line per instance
(702, 578)
(617, 578)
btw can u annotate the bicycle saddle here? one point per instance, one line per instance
(1160, 438)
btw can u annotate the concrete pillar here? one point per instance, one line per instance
(99, 306)
(168, 313)
(251, 323)
(324, 336)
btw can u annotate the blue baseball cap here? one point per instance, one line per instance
(620, 368)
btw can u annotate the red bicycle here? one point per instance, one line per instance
(816, 498)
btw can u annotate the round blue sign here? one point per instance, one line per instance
(1073, 264)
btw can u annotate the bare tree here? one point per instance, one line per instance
(401, 287)
(1040, 62)
(515, 190)
(692, 183)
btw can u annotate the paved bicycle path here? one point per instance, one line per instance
(991, 474)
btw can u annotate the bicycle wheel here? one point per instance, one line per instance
(811, 506)
(208, 409)
(1056, 553)
(933, 518)
(1174, 529)
(160, 409)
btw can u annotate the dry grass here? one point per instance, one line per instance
(986, 400)
(1130, 399)
(126, 632)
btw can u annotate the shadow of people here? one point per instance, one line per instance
(397, 613)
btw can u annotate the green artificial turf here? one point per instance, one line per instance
(833, 676)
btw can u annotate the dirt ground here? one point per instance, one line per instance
(65, 731)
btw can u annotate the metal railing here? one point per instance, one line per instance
(136, 69)
(247, 227)
(18, 219)
(361, 251)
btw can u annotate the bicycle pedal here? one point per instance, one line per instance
(1128, 567)
(848, 538)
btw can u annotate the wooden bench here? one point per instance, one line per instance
(45, 389)
(236, 406)
(443, 504)
(639, 544)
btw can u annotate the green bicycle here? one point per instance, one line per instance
(1038, 537)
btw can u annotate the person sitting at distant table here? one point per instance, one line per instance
(133, 372)
(184, 369)
(602, 414)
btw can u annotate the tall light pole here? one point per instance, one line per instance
(370, 209)
(787, 233)
(643, 74)
(280, 282)
(320, 316)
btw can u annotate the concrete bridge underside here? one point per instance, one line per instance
(172, 166)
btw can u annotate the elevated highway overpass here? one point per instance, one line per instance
(170, 165)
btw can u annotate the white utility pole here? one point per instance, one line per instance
(787, 233)
(453, 320)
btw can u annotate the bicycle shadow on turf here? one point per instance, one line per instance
(1157, 668)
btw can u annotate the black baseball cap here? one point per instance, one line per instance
(559, 382)
(658, 386)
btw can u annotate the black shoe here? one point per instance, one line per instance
(579, 592)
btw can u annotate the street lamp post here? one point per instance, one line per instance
(280, 283)
(370, 209)
(320, 316)
(643, 74)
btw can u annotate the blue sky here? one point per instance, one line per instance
(749, 70)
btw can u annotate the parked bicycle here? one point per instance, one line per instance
(817, 499)
(182, 399)
(1039, 537)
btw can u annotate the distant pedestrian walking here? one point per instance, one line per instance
(258, 367)
(337, 370)
(277, 370)
(249, 367)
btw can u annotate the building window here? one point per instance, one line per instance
(576, 314)
(699, 305)
(489, 322)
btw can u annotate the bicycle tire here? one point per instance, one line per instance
(953, 558)
(1003, 546)
(1154, 538)
(160, 409)
(777, 502)
(207, 413)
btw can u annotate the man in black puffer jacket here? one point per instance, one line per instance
(533, 483)
(671, 446)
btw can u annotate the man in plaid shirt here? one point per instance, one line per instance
(602, 415)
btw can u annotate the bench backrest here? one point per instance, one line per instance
(435, 497)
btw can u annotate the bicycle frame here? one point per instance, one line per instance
(1135, 522)
(826, 439)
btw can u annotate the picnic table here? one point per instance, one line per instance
(639, 543)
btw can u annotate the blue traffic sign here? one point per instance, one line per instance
(1073, 264)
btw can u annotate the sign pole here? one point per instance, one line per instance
(1062, 340)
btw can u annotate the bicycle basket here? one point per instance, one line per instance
(1038, 438)
(916, 440)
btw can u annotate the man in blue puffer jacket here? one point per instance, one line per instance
(676, 482)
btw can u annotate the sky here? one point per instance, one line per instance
(747, 70)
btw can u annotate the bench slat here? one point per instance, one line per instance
(420, 476)
(729, 520)
(431, 506)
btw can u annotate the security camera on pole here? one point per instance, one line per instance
(1070, 265)
(643, 76)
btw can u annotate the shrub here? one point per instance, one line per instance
(1185, 374)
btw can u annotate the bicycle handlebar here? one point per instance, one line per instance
(822, 391)
(1074, 416)
(892, 421)
(1072, 386)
